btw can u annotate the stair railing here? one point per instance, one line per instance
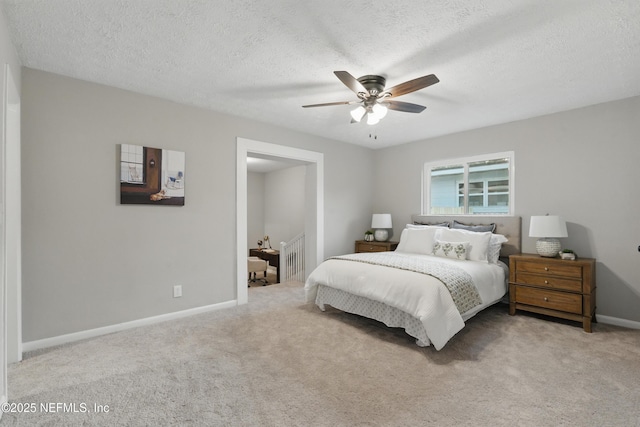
(292, 260)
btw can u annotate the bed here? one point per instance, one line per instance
(444, 271)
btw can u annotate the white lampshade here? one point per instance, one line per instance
(381, 222)
(379, 111)
(548, 228)
(358, 113)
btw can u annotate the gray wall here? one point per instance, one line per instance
(275, 205)
(284, 204)
(88, 261)
(580, 164)
(255, 208)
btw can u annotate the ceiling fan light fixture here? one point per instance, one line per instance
(358, 113)
(379, 111)
(373, 99)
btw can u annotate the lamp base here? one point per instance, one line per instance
(548, 247)
(381, 235)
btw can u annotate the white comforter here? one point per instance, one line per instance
(422, 296)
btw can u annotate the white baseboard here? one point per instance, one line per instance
(92, 333)
(617, 321)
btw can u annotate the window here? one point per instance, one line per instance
(481, 185)
(132, 164)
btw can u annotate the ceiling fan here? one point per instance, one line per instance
(374, 99)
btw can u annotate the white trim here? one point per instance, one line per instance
(245, 146)
(631, 324)
(11, 233)
(92, 333)
(4, 389)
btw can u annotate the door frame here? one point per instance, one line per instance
(315, 233)
(10, 231)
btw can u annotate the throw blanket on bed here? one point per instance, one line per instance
(459, 283)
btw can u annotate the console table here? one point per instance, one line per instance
(273, 258)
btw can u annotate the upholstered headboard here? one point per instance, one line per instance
(509, 226)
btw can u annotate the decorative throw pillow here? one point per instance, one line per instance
(422, 225)
(456, 250)
(433, 224)
(478, 242)
(478, 228)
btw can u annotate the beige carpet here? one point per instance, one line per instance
(280, 362)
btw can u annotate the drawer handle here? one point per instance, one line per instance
(546, 299)
(546, 282)
(546, 269)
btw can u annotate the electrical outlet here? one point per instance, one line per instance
(177, 291)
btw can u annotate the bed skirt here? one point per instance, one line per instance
(365, 307)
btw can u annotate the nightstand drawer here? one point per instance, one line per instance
(363, 247)
(552, 282)
(563, 301)
(550, 268)
(375, 246)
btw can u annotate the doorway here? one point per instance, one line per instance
(314, 209)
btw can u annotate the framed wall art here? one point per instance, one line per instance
(151, 176)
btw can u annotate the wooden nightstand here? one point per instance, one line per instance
(554, 287)
(364, 246)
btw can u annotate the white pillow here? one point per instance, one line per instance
(455, 250)
(495, 246)
(478, 242)
(417, 240)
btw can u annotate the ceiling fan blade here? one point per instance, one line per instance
(410, 86)
(328, 104)
(405, 107)
(351, 82)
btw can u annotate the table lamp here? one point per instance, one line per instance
(381, 223)
(548, 228)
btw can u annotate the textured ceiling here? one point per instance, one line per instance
(497, 60)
